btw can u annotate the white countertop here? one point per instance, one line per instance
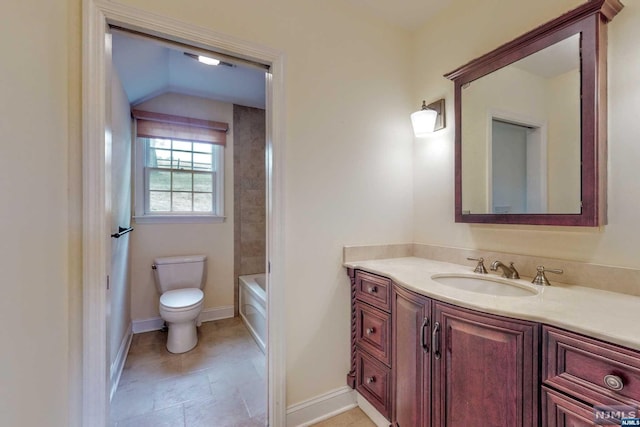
(609, 316)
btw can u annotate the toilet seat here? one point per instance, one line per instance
(181, 299)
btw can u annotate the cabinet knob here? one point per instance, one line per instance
(371, 331)
(371, 380)
(614, 382)
(372, 289)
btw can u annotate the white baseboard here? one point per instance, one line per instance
(118, 363)
(147, 325)
(207, 315)
(218, 313)
(321, 407)
(371, 412)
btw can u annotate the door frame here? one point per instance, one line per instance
(536, 142)
(97, 15)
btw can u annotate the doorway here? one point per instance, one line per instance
(183, 183)
(96, 230)
(517, 165)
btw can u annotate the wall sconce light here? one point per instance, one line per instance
(429, 119)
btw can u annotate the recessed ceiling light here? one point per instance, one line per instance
(208, 61)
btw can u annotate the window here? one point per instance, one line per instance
(179, 169)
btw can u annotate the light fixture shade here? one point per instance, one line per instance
(424, 122)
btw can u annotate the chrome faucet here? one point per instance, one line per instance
(508, 272)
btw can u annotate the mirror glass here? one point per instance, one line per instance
(521, 135)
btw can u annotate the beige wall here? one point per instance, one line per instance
(38, 126)
(215, 240)
(470, 35)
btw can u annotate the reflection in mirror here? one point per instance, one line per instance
(521, 135)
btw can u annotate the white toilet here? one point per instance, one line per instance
(180, 281)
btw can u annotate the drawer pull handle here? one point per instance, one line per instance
(372, 289)
(614, 382)
(371, 380)
(371, 331)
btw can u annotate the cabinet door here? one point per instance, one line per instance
(485, 369)
(411, 359)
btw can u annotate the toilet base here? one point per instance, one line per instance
(182, 336)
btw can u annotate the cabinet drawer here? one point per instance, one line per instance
(373, 289)
(373, 382)
(559, 410)
(589, 369)
(373, 331)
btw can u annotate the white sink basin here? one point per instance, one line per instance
(490, 285)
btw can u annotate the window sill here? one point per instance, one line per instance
(178, 219)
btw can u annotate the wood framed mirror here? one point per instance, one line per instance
(530, 125)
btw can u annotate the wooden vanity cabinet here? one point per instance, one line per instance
(426, 363)
(581, 372)
(458, 367)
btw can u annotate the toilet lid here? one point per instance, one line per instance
(181, 299)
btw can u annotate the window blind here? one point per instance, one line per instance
(158, 125)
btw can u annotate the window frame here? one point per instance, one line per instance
(141, 190)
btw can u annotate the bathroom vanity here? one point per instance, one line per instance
(426, 354)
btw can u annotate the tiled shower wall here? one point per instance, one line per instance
(249, 193)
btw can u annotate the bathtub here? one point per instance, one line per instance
(253, 306)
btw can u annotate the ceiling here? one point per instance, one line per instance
(148, 68)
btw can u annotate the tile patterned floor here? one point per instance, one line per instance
(219, 383)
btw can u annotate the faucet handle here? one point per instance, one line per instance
(480, 267)
(541, 279)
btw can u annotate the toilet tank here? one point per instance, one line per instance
(179, 272)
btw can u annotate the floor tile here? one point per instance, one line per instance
(221, 382)
(173, 391)
(216, 412)
(130, 401)
(150, 367)
(168, 417)
(218, 383)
